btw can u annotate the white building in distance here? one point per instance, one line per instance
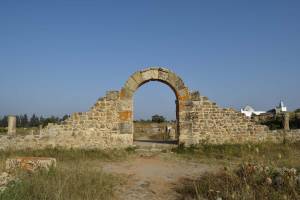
(249, 111)
(281, 108)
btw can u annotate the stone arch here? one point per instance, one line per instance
(138, 79)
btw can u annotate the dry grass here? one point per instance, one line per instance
(247, 182)
(281, 155)
(21, 131)
(78, 176)
(3, 131)
(64, 156)
(76, 183)
(261, 179)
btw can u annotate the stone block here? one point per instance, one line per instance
(150, 74)
(5, 180)
(125, 115)
(179, 84)
(195, 96)
(30, 164)
(131, 84)
(183, 94)
(125, 105)
(138, 78)
(126, 128)
(172, 78)
(126, 93)
(112, 95)
(163, 75)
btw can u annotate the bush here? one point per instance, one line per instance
(158, 119)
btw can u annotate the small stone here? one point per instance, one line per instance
(30, 164)
(298, 180)
(269, 181)
(293, 171)
(278, 181)
(5, 178)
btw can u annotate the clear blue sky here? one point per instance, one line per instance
(60, 56)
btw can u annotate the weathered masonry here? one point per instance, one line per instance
(109, 123)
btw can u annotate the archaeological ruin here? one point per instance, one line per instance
(109, 122)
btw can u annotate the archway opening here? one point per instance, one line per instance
(155, 114)
(139, 78)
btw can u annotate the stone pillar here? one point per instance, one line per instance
(286, 121)
(40, 129)
(12, 124)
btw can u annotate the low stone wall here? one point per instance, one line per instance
(277, 136)
(148, 130)
(66, 140)
(152, 128)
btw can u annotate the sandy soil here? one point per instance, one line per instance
(155, 176)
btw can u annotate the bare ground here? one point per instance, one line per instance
(154, 176)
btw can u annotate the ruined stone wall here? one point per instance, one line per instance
(109, 123)
(96, 129)
(212, 124)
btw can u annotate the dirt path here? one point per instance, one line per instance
(154, 176)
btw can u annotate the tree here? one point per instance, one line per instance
(65, 117)
(297, 110)
(24, 121)
(4, 121)
(158, 119)
(34, 121)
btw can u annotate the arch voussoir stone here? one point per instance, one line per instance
(154, 74)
